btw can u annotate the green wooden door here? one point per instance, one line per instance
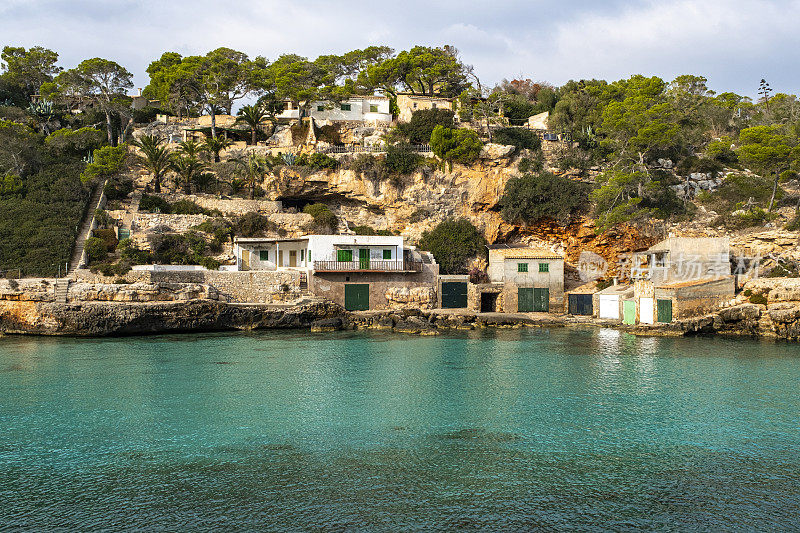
(454, 294)
(525, 300)
(356, 296)
(629, 312)
(363, 258)
(541, 300)
(664, 310)
(124, 233)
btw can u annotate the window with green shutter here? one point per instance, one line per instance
(544, 267)
(522, 267)
(263, 255)
(345, 107)
(344, 255)
(373, 108)
(387, 254)
(302, 255)
(320, 108)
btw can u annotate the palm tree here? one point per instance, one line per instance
(187, 167)
(190, 148)
(156, 158)
(215, 145)
(253, 116)
(252, 168)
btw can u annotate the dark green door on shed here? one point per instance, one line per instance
(524, 300)
(454, 294)
(541, 300)
(664, 310)
(580, 304)
(356, 296)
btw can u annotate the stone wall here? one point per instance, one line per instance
(228, 206)
(698, 299)
(144, 222)
(256, 286)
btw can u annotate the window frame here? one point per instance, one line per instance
(522, 267)
(544, 268)
(373, 108)
(346, 107)
(387, 252)
(263, 256)
(342, 253)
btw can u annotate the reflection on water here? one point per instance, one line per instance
(513, 429)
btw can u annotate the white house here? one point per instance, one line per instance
(356, 108)
(321, 252)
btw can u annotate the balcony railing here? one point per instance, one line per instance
(368, 266)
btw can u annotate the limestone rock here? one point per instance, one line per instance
(496, 151)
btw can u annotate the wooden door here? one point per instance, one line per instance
(629, 312)
(356, 296)
(292, 258)
(525, 299)
(363, 258)
(454, 294)
(541, 300)
(664, 310)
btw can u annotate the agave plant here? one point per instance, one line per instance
(41, 109)
(289, 158)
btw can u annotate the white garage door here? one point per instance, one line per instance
(646, 306)
(609, 307)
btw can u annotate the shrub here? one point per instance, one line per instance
(108, 236)
(148, 114)
(693, 164)
(721, 151)
(419, 129)
(96, 249)
(535, 164)
(252, 225)
(153, 204)
(533, 197)
(478, 276)
(107, 162)
(519, 137)
(317, 161)
(129, 253)
(118, 189)
(453, 243)
(455, 145)
(402, 159)
(324, 219)
(219, 228)
(794, 224)
(186, 207)
(758, 299)
(370, 166)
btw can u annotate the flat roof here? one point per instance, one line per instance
(527, 253)
(691, 283)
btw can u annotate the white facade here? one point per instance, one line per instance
(345, 251)
(355, 108)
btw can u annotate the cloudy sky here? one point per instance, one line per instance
(734, 43)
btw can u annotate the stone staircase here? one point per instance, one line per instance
(85, 229)
(62, 290)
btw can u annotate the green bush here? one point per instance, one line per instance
(96, 249)
(533, 197)
(118, 189)
(419, 129)
(402, 159)
(324, 219)
(758, 299)
(108, 236)
(740, 191)
(370, 167)
(187, 249)
(317, 161)
(108, 161)
(11, 185)
(519, 137)
(535, 164)
(694, 164)
(455, 145)
(148, 114)
(454, 242)
(369, 230)
(154, 204)
(186, 207)
(721, 151)
(252, 225)
(131, 254)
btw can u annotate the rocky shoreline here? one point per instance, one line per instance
(98, 319)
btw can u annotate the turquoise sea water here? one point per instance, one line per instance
(506, 430)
